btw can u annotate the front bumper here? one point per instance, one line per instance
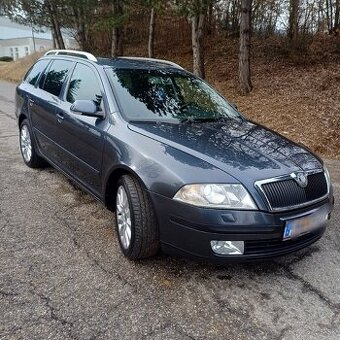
(188, 230)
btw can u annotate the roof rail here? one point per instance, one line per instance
(157, 60)
(73, 53)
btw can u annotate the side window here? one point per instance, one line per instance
(84, 85)
(56, 76)
(33, 74)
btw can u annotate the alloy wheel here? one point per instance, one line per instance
(123, 217)
(26, 143)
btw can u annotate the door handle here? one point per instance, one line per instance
(60, 117)
(30, 102)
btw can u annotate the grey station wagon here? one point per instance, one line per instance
(183, 170)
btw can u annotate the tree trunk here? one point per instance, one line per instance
(55, 26)
(244, 56)
(331, 13)
(53, 38)
(293, 22)
(197, 35)
(337, 15)
(59, 35)
(81, 28)
(328, 15)
(235, 18)
(54, 33)
(117, 31)
(321, 19)
(210, 20)
(117, 42)
(151, 42)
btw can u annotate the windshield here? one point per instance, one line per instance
(168, 96)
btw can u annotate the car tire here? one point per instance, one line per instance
(27, 146)
(137, 228)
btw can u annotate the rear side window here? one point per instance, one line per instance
(33, 74)
(56, 76)
(84, 86)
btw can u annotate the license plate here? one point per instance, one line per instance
(299, 226)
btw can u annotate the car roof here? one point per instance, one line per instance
(118, 62)
(138, 63)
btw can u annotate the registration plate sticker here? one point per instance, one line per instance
(299, 226)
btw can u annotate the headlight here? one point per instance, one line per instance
(225, 196)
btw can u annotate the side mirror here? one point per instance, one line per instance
(86, 108)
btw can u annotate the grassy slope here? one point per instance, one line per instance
(15, 70)
(301, 102)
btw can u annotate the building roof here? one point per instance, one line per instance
(10, 30)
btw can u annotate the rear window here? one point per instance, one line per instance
(56, 76)
(34, 72)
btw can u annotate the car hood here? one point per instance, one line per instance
(245, 150)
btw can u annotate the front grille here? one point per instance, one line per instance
(287, 193)
(277, 246)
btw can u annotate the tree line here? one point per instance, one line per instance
(86, 20)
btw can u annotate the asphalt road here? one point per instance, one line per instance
(62, 275)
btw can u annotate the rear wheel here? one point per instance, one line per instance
(137, 228)
(27, 146)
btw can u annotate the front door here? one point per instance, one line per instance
(80, 137)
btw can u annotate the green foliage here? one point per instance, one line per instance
(24, 11)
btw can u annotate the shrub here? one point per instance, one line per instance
(6, 58)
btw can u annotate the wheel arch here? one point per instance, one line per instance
(21, 118)
(110, 185)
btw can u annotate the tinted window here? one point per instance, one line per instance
(33, 74)
(168, 95)
(84, 86)
(56, 76)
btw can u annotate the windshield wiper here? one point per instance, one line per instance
(190, 120)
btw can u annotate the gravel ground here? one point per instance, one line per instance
(62, 275)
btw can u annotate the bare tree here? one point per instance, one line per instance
(337, 15)
(197, 35)
(329, 15)
(151, 41)
(293, 28)
(117, 30)
(244, 55)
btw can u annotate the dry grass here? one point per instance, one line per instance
(301, 102)
(15, 70)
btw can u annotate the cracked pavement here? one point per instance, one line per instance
(62, 275)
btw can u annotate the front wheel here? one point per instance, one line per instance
(27, 146)
(137, 227)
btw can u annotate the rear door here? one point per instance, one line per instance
(81, 137)
(26, 92)
(43, 104)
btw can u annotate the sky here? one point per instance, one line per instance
(9, 30)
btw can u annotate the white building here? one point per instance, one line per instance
(21, 47)
(18, 41)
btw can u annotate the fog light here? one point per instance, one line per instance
(227, 247)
